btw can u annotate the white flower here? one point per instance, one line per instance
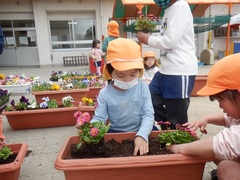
(33, 105)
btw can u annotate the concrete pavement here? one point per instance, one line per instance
(45, 143)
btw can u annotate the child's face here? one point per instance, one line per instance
(126, 76)
(150, 61)
(230, 108)
(98, 45)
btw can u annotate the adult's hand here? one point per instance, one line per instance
(143, 37)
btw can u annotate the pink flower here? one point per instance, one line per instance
(139, 12)
(86, 117)
(77, 114)
(160, 122)
(94, 131)
(167, 123)
(193, 133)
(80, 121)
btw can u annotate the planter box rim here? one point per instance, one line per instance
(61, 91)
(123, 162)
(19, 159)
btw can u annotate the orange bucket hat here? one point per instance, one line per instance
(123, 54)
(113, 29)
(149, 54)
(224, 75)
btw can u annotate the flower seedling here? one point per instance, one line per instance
(179, 136)
(67, 101)
(145, 23)
(5, 151)
(90, 133)
(88, 101)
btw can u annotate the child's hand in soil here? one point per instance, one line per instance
(141, 146)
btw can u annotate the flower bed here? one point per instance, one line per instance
(23, 115)
(16, 83)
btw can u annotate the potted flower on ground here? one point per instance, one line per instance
(170, 166)
(11, 158)
(49, 113)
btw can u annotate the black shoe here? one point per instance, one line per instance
(214, 174)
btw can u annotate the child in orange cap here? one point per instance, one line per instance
(126, 101)
(150, 66)
(222, 85)
(113, 33)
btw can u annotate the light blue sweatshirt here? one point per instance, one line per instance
(128, 111)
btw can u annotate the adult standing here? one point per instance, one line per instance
(172, 85)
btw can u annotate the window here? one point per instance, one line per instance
(19, 33)
(72, 33)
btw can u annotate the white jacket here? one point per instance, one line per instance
(177, 41)
(226, 142)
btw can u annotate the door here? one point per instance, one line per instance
(20, 44)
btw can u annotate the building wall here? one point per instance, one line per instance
(44, 10)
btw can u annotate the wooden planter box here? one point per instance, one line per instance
(200, 82)
(77, 94)
(93, 92)
(170, 166)
(41, 118)
(11, 171)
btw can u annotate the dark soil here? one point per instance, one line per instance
(10, 159)
(113, 148)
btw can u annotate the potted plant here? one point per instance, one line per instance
(200, 82)
(170, 166)
(76, 89)
(145, 23)
(4, 98)
(49, 113)
(11, 158)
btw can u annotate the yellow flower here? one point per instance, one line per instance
(84, 99)
(55, 87)
(2, 76)
(90, 100)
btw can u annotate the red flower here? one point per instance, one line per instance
(94, 131)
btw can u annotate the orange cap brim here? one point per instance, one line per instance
(208, 91)
(126, 65)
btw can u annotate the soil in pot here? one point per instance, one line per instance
(10, 159)
(113, 148)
